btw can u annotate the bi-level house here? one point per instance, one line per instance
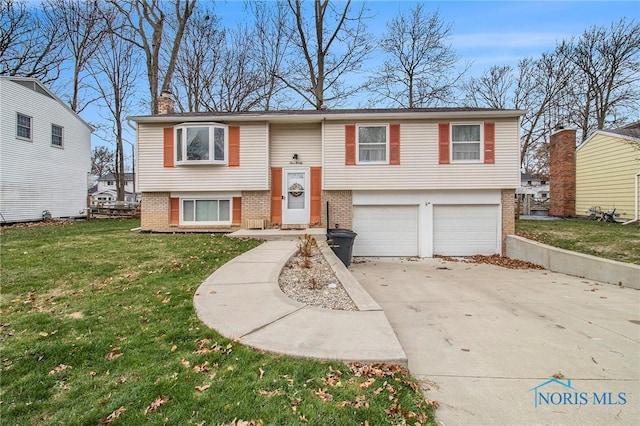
(412, 182)
(45, 154)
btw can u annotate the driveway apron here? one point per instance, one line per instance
(486, 341)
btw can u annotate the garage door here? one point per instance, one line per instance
(385, 230)
(465, 230)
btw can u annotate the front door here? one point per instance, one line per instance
(295, 198)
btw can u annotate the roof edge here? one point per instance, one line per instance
(609, 134)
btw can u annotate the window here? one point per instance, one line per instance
(465, 142)
(543, 182)
(201, 144)
(206, 211)
(372, 144)
(56, 135)
(23, 128)
(109, 183)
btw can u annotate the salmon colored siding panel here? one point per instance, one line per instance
(168, 147)
(276, 195)
(234, 146)
(394, 144)
(350, 144)
(316, 194)
(237, 211)
(174, 206)
(443, 143)
(489, 143)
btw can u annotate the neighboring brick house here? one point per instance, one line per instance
(409, 182)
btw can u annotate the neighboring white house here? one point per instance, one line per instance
(45, 154)
(415, 182)
(531, 185)
(104, 193)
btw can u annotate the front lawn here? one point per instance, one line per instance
(98, 327)
(607, 240)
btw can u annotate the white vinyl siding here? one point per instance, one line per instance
(252, 174)
(419, 168)
(385, 230)
(302, 139)
(465, 230)
(605, 175)
(33, 176)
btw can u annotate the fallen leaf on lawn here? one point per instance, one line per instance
(230, 368)
(202, 388)
(111, 417)
(378, 391)
(156, 404)
(270, 393)
(43, 334)
(288, 379)
(58, 368)
(367, 383)
(92, 374)
(185, 363)
(174, 348)
(303, 419)
(212, 376)
(112, 355)
(261, 373)
(558, 375)
(323, 395)
(202, 368)
(237, 422)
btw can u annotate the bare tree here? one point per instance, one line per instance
(324, 50)
(607, 61)
(420, 70)
(28, 45)
(155, 37)
(102, 161)
(271, 43)
(199, 61)
(492, 89)
(82, 26)
(115, 71)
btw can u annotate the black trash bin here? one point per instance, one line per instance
(341, 242)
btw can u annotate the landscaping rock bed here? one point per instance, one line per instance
(309, 279)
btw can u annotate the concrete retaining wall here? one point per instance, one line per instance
(572, 263)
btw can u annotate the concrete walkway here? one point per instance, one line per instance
(242, 300)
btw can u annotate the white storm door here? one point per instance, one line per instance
(296, 197)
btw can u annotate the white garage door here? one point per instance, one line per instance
(465, 230)
(385, 230)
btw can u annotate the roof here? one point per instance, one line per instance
(329, 114)
(630, 132)
(35, 85)
(111, 176)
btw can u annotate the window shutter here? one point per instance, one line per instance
(316, 195)
(443, 143)
(237, 210)
(234, 146)
(168, 147)
(350, 144)
(394, 144)
(276, 195)
(174, 207)
(489, 143)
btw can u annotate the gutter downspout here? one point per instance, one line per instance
(635, 219)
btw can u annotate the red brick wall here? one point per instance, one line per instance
(562, 173)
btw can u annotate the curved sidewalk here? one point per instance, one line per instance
(242, 300)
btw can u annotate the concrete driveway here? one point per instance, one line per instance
(485, 341)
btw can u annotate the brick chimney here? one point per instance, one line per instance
(562, 173)
(165, 103)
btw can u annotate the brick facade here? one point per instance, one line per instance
(155, 212)
(562, 173)
(508, 216)
(256, 205)
(340, 209)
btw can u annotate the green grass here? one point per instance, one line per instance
(98, 327)
(607, 240)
